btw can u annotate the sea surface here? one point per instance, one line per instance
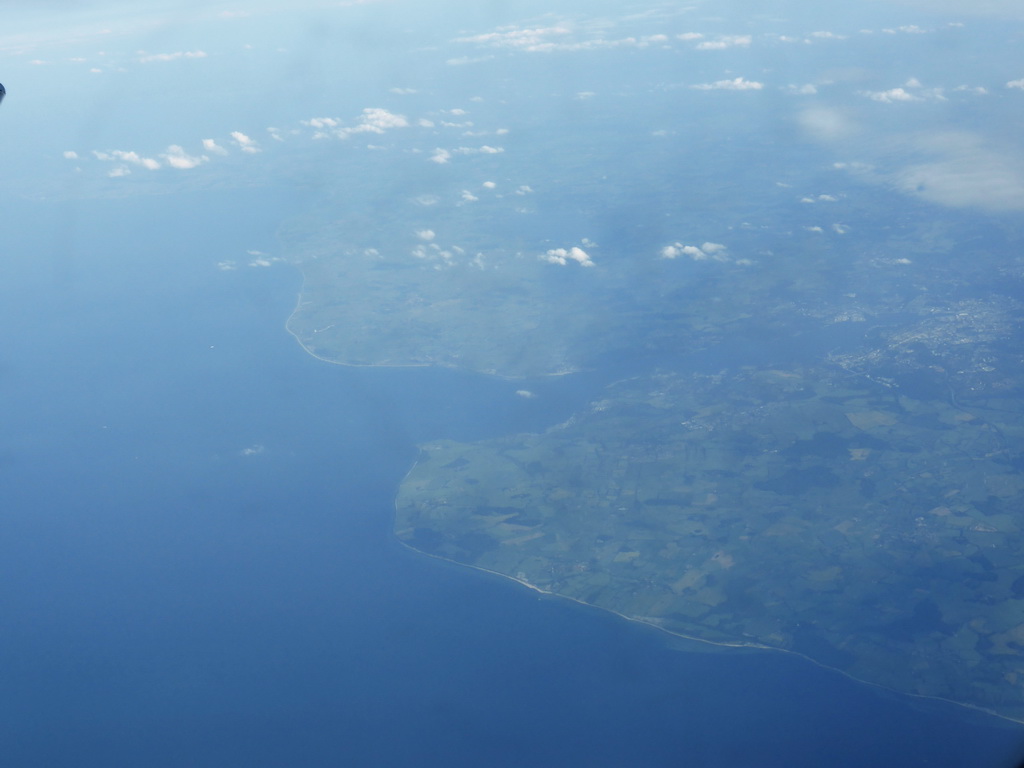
(197, 566)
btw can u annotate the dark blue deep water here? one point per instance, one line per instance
(167, 601)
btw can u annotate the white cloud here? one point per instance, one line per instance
(377, 120)
(534, 39)
(372, 120)
(145, 59)
(132, 158)
(891, 96)
(261, 259)
(212, 146)
(176, 157)
(1016, 84)
(901, 94)
(689, 36)
(725, 41)
(488, 185)
(442, 156)
(910, 29)
(468, 196)
(425, 234)
(562, 256)
(551, 38)
(244, 142)
(70, 154)
(324, 127)
(807, 89)
(736, 84)
(524, 189)
(715, 251)
(434, 253)
(403, 91)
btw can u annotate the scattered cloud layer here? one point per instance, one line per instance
(736, 84)
(563, 256)
(723, 42)
(715, 251)
(912, 90)
(245, 143)
(147, 58)
(947, 172)
(372, 120)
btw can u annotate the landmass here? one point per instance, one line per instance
(828, 461)
(802, 510)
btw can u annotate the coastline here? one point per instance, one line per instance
(295, 335)
(739, 645)
(719, 644)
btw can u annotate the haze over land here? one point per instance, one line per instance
(706, 316)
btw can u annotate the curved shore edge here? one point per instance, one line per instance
(298, 303)
(721, 644)
(311, 353)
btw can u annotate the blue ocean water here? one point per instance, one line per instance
(197, 567)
